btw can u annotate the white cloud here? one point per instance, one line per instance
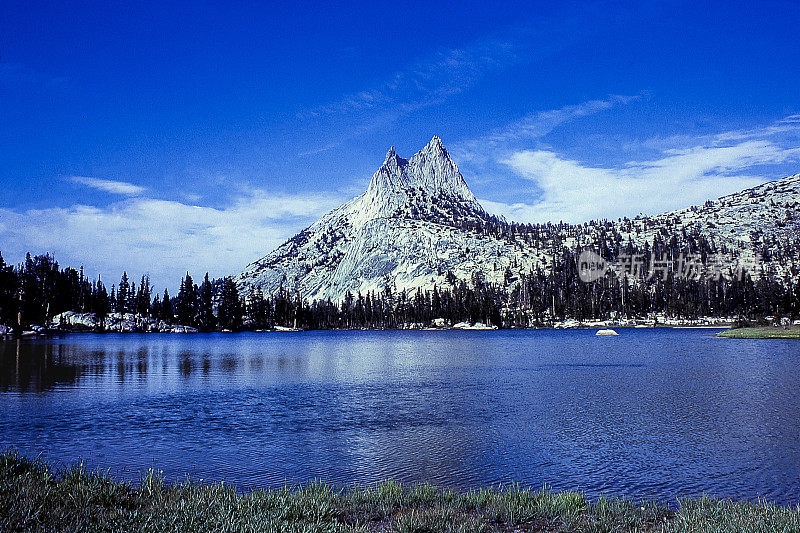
(160, 237)
(685, 170)
(110, 186)
(574, 192)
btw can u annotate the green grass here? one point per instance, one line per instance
(33, 497)
(761, 332)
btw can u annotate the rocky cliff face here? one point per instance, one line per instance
(414, 224)
(418, 225)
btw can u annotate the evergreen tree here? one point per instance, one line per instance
(186, 302)
(41, 290)
(123, 294)
(143, 303)
(167, 311)
(155, 307)
(9, 288)
(206, 319)
(102, 304)
(230, 307)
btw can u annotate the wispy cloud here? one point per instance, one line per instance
(161, 237)
(110, 186)
(782, 131)
(419, 85)
(532, 126)
(572, 191)
(447, 72)
(425, 82)
(540, 123)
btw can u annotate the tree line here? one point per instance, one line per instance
(37, 290)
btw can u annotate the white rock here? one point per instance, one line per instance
(606, 333)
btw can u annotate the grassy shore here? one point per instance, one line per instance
(763, 332)
(33, 497)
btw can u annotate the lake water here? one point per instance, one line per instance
(653, 413)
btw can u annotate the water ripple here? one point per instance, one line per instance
(657, 414)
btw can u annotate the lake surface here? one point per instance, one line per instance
(653, 413)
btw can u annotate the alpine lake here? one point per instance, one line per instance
(652, 413)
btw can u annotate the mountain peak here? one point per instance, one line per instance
(392, 162)
(414, 216)
(430, 169)
(398, 182)
(436, 146)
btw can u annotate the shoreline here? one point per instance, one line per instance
(53, 330)
(49, 333)
(34, 496)
(761, 332)
(75, 322)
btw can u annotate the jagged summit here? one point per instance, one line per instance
(430, 171)
(435, 147)
(413, 225)
(393, 162)
(391, 157)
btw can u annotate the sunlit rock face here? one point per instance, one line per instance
(418, 225)
(416, 222)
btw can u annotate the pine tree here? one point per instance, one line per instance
(167, 312)
(206, 319)
(130, 305)
(143, 303)
(123, 294)
(230, 308)
(9, 287)
(186, 306)
(155, 307)
(102, 304)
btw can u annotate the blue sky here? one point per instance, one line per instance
(198, 136)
